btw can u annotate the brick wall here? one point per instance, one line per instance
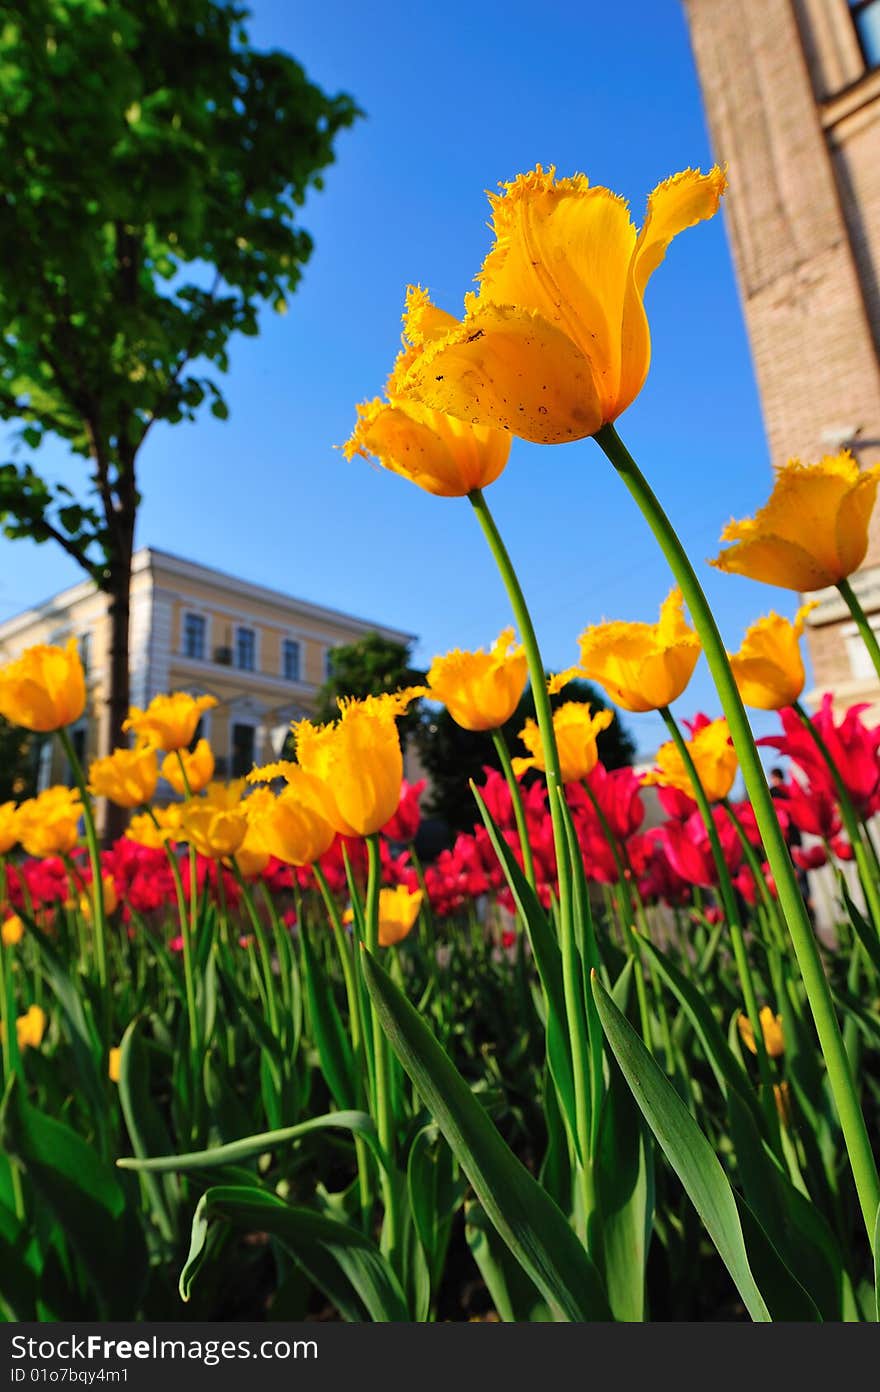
(792, 112)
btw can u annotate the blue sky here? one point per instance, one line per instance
(458, 98)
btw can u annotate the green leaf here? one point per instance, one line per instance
(525, 1216)
(334, 1047)
(548, 959)
(625, 1190)
(515, 1296)
(345, 1264)
(685, 1147)
(145, 1126)
(865, 932)
(726, 1067)
(795, 1226)
(237, 1152)
(85, 1196)
(877, 1263)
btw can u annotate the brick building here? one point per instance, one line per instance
(792, 96)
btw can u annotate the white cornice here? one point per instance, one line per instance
(164, 564)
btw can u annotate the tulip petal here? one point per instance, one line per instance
(676, 204)
(852, 520)
(511, 369)
(438, 452)
(563, 250)
(775, 561)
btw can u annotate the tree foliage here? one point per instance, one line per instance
(369, 667)
(154, 166)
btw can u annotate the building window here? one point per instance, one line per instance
(242, 749)
(866, 17)
(85, 651)
(328, 664)
(245, 649)
(290, 658)
(194, 636)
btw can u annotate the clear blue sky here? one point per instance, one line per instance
(457, 98)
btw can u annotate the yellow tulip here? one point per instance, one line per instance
(813, 529)
(31, 1027)
(556, 342)
(291, 826)
(443, 455)
(113, 1063)
(398, 911)
(8, 826)
(127, 777)
(169, 722)
(198, 764)
(44, 689)
(771, 1028)
(714, 759)
(355, 764)
(642, 666)
(144, 831)
(481, 690)
(576, 730)
(111, 898)
(12, 931)
(49, 824)
(768, 668)
(215, 823)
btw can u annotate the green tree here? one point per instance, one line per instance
(452, 756)
(369, 667)
(154, 164)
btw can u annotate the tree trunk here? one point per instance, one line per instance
(118, 687)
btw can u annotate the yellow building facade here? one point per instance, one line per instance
(262, 653)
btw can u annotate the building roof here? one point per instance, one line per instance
(165, 563)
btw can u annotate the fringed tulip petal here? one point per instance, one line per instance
(510, 369)
(813, 530)
(439, 453)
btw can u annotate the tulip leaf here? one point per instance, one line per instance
(795, 1226)
(84, 1195)
(514, 1295)
(331, 1039)
(237, 1152)
(589, 955)
(528, 1220)
(877, 1263)
(686, 1148)
(728, 1070)
(144, 1123)
(865, 932)
(625, 1193)
(548, 959)
(341, 1261)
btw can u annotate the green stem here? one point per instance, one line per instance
(516, 799)
(262, 943)
(842, 1084)
(384, 1119)
(98, 917)
(731, 913)
(868, 636)
(572, 977)
(188, 975)
(849, 816)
